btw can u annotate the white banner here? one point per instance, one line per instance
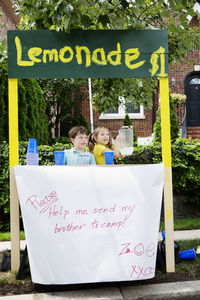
(91, 224)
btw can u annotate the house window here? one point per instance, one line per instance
(195, 81)
(122, 110)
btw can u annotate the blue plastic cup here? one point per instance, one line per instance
(59, 157)
(109, 157)
(187, 254)
(32, 146)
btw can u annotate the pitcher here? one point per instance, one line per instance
(126, 140)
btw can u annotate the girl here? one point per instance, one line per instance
(99, 142)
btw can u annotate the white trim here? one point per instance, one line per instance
(121, 114)
(197, 9)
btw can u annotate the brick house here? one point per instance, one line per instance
(183, 78)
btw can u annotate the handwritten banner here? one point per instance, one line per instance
(90, 224)
(87, 53)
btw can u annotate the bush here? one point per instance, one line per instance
(33, 120)
(129, 123)
(81, 121)
(185, 165)
(46, 157)
(173, 123)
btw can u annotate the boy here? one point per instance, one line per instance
(78, 155)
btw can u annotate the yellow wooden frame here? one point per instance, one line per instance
(13, 161)
(166, 155)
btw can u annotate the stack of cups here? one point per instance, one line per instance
(32, 157)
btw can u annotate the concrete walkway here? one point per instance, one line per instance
(175, 290)
(184, 235)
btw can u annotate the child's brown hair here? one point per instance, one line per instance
(93, 138)
(74, 131)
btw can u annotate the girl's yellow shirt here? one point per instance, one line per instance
(99, 154)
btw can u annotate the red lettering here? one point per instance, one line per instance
(141, 272)
(125, 250)
(69, 227)
(139, 249)
(133, 271)
(66, 213)
(33, 201)
(150, 251)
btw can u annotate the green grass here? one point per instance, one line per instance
(186, 269)
(189, 267)
(183, 224)
(5, 236)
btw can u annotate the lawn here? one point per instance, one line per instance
(183, 224)
(5, 236)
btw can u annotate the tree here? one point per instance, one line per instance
(63, 96)
(65, 15)
(129, 123)
(115, 14)
(173, 123)
(32, 109)
(110, 93)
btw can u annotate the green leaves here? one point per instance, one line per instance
(86, 20)
(185, 165)
(104, 20)
(124, 4)
(46, 157)
(173, 123)
(108, 93)
(58, 94)
(116, 14)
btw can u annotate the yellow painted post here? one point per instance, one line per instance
(13, 161)
(166, 154)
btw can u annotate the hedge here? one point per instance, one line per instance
(46, 157)
(185, 167)
(33, 121)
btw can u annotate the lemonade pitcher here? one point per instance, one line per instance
(126, 140)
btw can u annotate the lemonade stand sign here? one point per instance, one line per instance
(88, 54)
(83, 54)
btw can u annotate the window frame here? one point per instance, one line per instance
(122, 113)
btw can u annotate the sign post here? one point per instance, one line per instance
(13, 161)
(166, 154)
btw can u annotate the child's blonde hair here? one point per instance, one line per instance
(93, 138)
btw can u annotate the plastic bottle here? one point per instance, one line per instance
(32, 157)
